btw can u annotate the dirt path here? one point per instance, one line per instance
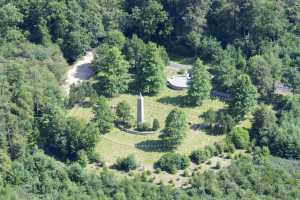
(82, 70)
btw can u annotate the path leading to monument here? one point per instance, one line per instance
(177, 66)
(82, 70)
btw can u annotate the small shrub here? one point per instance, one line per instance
(239, 137)
(229, 147)
(144, 127)
(123, 113)
(211, 150)
(148, 172)
(155, 125)
(171, 162)
(219, 147)
(157, 171)
(130, 174)
(209, 162)
(151, 180)
(95, 157)
(126, 164)
(82, 158)
(186, 173)
(199, 156)
(144, 177)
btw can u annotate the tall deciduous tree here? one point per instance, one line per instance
(175, 128)
(263, 127)
(264, 71)
(149, 20)
(200, 84)
(150, 74)
(112, 71)
(135, 50)
(244, 96)
(103, 116)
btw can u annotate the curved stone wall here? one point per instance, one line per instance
(137, 132)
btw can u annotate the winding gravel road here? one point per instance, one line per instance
(80, 71)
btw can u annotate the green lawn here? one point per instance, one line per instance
(159, 106)
(118, 144)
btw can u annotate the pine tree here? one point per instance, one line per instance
(200, 85)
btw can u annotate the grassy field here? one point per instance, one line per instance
(159, 106)
(118, 144)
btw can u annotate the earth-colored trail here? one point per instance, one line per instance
(82, 70)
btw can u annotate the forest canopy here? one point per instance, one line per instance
(248, 49)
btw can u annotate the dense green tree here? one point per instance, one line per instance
(103, 116)
(75, 44)
(200, 85)
(260, 72)
(264, 125)
(150, 77)
(224, 123)
(124, 115)
(112, 71)
(175, 128)
(210, 117)
(149, 20)
(64, 137)
(264, 72)
(126, 164)
(171, 162)
(135, 50)
(239, 137)
(224, 75)
(244, 95)
(11, 17)
(292, 76)
(115, 38)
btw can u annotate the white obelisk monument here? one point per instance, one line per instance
(140, 109)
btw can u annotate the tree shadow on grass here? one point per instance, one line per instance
(199, 127)
(153, 146)
(180, 101)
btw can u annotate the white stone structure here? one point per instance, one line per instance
(140, 109)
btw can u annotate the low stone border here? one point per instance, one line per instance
(137, 132)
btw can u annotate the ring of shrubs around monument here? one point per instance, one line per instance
(135, 132)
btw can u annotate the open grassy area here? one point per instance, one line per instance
(118, 144)
(159, 106)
